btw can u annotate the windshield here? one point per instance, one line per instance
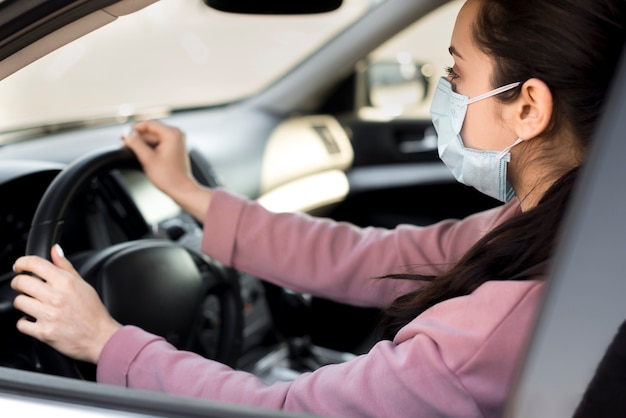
(173, 54)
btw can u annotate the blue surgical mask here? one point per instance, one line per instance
(481, 169)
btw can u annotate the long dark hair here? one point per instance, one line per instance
(573, 46)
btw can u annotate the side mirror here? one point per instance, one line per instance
(399, 83)
(274, 7)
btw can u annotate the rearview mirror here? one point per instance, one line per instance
(275, 7)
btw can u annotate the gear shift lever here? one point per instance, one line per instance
(296, 327)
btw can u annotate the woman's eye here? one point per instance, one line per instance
(451, 75)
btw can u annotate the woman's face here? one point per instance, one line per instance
(485, 126)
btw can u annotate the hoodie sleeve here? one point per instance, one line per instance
(336, 260)
(457, 359)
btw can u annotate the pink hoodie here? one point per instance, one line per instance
(457, 359)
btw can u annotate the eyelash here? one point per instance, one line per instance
(450, 73)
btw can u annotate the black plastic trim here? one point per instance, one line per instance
(22, 23)
(277, 7)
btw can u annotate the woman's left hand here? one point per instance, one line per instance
(68, 313)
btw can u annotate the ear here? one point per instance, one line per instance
(533, 109)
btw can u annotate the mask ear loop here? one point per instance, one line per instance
(493, 92)
(507, 149)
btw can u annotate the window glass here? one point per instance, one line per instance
(403, 72)
(172, 54)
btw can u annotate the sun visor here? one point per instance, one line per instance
(42, 35)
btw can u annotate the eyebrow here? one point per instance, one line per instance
(452, 50)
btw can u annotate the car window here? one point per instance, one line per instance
(173, 54)
(403, 72)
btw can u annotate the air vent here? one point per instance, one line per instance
(327, 138)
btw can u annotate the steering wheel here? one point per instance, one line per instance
(157, 284)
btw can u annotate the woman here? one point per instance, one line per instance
(514, 117)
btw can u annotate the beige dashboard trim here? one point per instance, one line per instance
(308, 193)
(296, 150)
(304, 163)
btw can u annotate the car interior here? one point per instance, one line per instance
(362, 171)
(310, 144)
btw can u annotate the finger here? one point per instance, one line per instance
(148, 138)
(142, 149)
(58, 258)
(154, 128)
(27, 326)
(29, 285)
(37, 329)
(31, 307)
(137, 137)
(36, 265)
(163, 134)
(22, 263)
(144, 125)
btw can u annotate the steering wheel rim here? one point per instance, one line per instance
(46, 231)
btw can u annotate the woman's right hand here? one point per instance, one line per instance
(162, 152)
(69, 313)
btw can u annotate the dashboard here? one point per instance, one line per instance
(21, 195)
